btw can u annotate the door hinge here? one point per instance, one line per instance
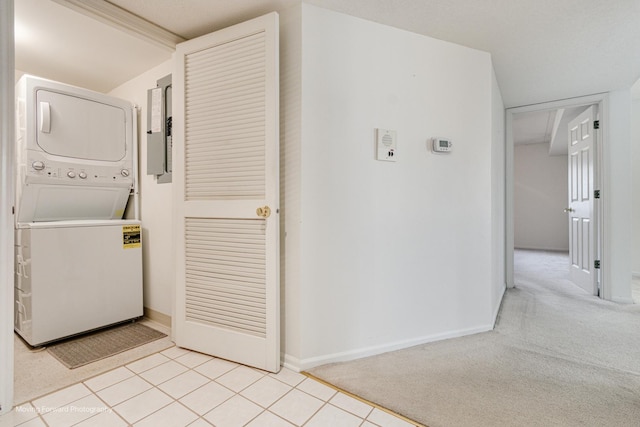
(596, 124)
(596, 194)
(596, 263)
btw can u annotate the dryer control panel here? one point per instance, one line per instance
(37, 166)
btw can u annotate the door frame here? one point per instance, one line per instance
(601, 169)
(7, 141)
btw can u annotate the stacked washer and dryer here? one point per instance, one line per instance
(78, 263)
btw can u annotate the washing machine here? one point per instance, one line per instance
(78, 260)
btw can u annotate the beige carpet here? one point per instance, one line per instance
(89, 348)
(558, 357)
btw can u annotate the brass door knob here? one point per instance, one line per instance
(264, 211)
(569, 210)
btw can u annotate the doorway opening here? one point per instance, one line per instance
(538, 187)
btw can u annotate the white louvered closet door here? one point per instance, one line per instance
(227, 194)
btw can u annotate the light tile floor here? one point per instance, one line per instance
(177, 387)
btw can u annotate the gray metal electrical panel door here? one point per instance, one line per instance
(159, 130)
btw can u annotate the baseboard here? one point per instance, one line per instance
(299, 365)
(496, 312)
(290, 362)
(542, 249)
(156, 316)
(623, 300)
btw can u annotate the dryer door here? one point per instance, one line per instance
(80, 128)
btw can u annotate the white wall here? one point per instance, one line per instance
(540, 195)
(392, 254)
(371, 251)
(7, 141)
(635, 156)
(156, 202)
(498, 163)
(617, 192)
(290, 213)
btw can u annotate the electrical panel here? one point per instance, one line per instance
(159, 130)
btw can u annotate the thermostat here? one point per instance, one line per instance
(442, 145)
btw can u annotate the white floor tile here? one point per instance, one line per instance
(36, 422)
(206, 398)
(316, 389)
(384, 419)
(289, 377)
(352, 405)
(108, 379)
(208, 390)
(136, 408)
(215, 368)
(296, 407)
(199, 423)
(329, 415)
(124, 390)
(174, 415)
(147, 363)
(164, 372)
(20, 414)
(183, 384)
(193, 359)
(75, 412)
(239, 378)
(268, 419)
(265, 391)
(174, 352)
(61, 398)
(105, 419)
(235, 412)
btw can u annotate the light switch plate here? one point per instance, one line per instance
(386, 145)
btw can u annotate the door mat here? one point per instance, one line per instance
(76, 352)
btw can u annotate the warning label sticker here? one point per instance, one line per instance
(131, 236)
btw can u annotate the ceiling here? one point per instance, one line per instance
(548, 126)
(542, 50)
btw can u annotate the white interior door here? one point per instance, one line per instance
(226, 117)
(582, 237)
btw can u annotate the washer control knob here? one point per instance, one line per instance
(71, 174)
(82, 175)
(125, 172)
(38, 165)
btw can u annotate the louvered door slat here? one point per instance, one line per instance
(239, 79)
(241, 287)
(225, 97)
(208, 253)
(228, 109)
(229, 291)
